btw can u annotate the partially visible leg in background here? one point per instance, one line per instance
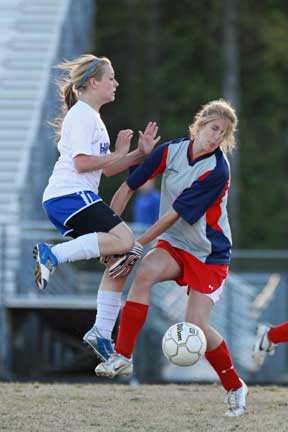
(267, 338)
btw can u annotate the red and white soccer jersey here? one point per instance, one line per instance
(197, 189)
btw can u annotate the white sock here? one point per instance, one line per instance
(108, 307)
(83, 247)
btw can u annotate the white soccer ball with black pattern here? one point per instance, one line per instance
(183, 344)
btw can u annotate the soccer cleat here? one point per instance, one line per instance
(236, 401)
(102, 347)
(124, 265)
(263, 345)
(46, 263)
(116, 365)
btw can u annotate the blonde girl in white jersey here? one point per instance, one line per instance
(71, 198)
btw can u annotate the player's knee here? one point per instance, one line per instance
(126, 241)
(129, 242)
(199, 321)
(145, 274)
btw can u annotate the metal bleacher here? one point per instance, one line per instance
(27, 28)
(34, 36)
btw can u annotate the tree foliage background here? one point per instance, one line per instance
(168, 58)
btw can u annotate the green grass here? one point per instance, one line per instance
(122, 408)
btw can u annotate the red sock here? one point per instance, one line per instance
(221, 361)
(279, 333)
(133, 318)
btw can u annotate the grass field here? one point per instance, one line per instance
(116, 407)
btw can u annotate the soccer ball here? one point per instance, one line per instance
(184, 344)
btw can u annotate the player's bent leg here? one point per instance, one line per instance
(116, 365)
(236, 401)
(46, 262)
(262, 346)
(119, 240)
(156, 266)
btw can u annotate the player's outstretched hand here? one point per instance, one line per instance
(124, 265)
(123, 141)
(148, 139)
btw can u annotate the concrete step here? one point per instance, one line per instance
(10, 155)
(17, 113)
(18, 75)
(13, 124)
(9, 166)
(13, 144)
(22, 56)
(44, 3)
(17, 104)
(9, 214)
(27, 65)
(10, 5)
(12, 134)
(41, 27)
(27, 40)
(14, 85)
(8, 195)
(7, 179)
(7, 186)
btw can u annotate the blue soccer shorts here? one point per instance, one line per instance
(80, 213)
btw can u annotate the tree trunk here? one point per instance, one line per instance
(231, 93)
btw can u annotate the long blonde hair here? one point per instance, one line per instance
(214, 110)
(76, 74)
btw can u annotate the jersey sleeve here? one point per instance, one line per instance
(194, 201)
(153, 165)
(81, 135)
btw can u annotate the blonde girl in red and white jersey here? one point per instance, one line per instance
(194, 240)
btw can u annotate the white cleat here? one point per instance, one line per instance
(262, 346)
(116, 365)
(236, 401)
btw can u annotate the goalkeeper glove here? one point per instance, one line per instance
(126, 262)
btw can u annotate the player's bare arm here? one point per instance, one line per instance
(168, 219)
(121, 198)
(85, 163)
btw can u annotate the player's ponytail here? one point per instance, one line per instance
(69, 95)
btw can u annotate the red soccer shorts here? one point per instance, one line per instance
(199, 276)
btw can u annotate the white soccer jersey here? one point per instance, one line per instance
(83, 132)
